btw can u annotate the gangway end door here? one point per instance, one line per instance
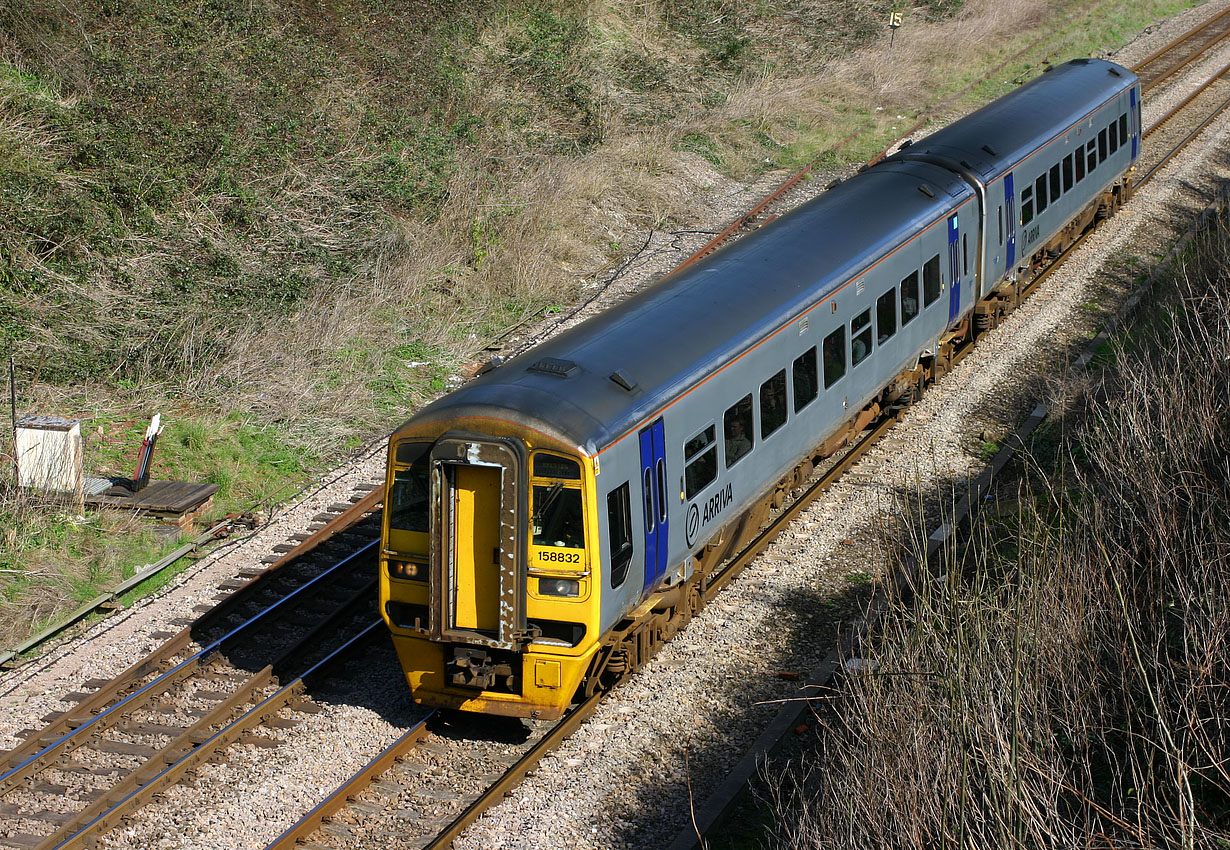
(653, 497)
(477, 560)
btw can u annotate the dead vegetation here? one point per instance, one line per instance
(1063, 680)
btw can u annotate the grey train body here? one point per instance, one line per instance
(647, 386)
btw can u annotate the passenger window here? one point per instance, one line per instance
(1040, 193)
(886, 316)
(619, 531)
(965, 253)
(931, 281)
(1056, 190)
(738, 426)
(1123, 133)
(1092, 150)
(909, 298)
(700, 461)
(806, 387)
(1027, 205)
(1067, 173)
(1102, 146)
(834, 356)
(773, 404)
(1114, 136)
(1079, 158)
(999, 215)
(860, 337)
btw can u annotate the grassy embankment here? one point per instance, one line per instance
(1065, 682)
(287, 230)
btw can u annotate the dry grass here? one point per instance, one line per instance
(1065, 682)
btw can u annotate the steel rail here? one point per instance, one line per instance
(113, 713)
(1141, 67)
(1178, 109)
(172, 773)
(515, 774)
(341, 796)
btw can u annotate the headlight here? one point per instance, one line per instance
(402, 569)
(559, 587)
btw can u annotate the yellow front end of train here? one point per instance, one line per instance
(489, 569)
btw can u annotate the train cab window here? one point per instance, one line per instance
(557, 518)
(411, 492)
(700, 461)
(1103, 146)
(1114, 136)
(1079, 162)
(909, 292)
(1123, 131)
(1092, 150)
(806, 387)
(1056, 188)
(1067, 173)
(619, 531)
(773, 404)
(886, 316)
(737, 424)
(1027, 205)
(860, 337)
(1040, 193)
(931, 281)
(834, 356)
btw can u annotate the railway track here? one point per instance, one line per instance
(242, 665)
(218, 681)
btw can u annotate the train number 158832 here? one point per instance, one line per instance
(560, 557)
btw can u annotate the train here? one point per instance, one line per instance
(549, 524)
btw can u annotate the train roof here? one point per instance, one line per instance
(997, 137)
(683, 328)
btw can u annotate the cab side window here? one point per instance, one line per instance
(619, 528)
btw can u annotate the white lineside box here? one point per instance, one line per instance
(49, 455)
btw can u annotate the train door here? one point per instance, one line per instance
(653, 494)
(477, 569)
(954, 265)
(1134, 117)
(476, 552)
(1010, 220)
